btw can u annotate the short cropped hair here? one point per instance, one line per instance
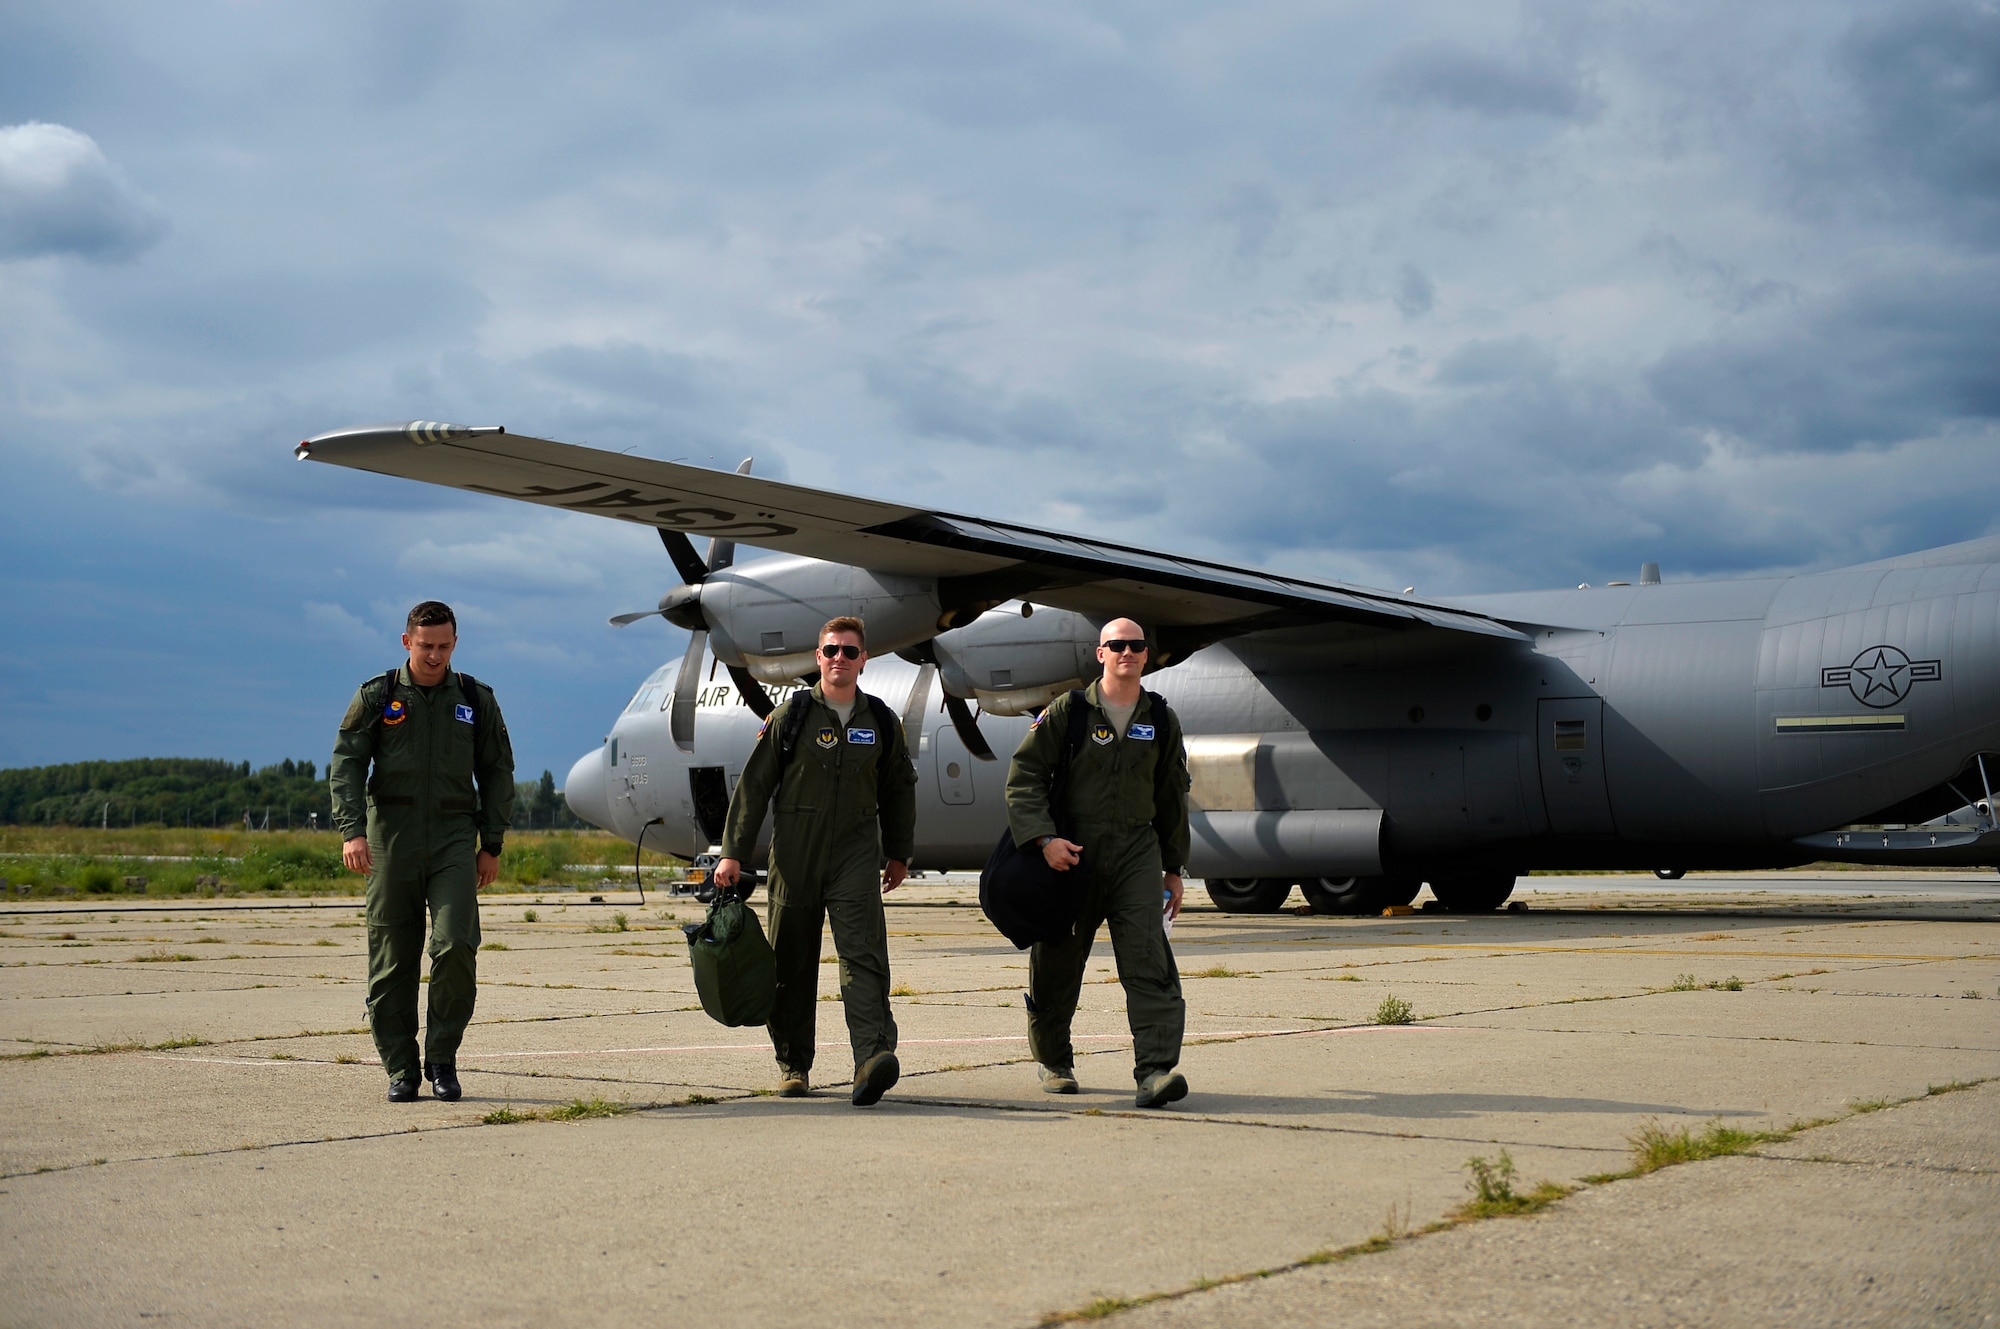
(846, 623)
(429, 614)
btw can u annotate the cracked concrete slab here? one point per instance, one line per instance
(260, 1176)
(1885, 1219)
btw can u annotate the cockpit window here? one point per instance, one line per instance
(652, 691)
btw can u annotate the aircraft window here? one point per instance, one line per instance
(649, 691)
(1570, 736)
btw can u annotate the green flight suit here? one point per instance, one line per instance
(1128, 805)
(437, 794)
(845, 804)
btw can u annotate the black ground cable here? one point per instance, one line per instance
(639, 848)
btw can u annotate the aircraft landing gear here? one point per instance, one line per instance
(1248, 895)
(1670, 874)
(1473, 892)
(1358, 895)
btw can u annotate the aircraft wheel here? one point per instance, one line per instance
(1670, 874)
(1248, 895)
(1358, 895)
(1473, 892)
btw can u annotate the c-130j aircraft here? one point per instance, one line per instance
(1355, 743)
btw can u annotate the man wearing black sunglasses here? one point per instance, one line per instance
(1127, 795)
(846, 809)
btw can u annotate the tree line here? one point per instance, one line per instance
(197, 791)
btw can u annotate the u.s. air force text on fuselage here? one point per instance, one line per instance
(1351, 740)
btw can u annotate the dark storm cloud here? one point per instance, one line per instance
(1474, 296)
(1415, 293)
(405, 46)
(1928, 80)
(276, 319)
(939, 402)
(1898, 356)
(59, 195)
(1448, 74)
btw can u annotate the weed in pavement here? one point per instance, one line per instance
(1394, 1010)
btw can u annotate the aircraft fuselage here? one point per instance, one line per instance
(1685, 725)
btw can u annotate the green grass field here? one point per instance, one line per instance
(41, 863)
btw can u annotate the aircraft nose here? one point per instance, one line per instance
(584, 791)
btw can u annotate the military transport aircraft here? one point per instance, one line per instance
(1352, 742)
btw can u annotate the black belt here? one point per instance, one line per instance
(409, 801)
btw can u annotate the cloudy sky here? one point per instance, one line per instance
(1474, 296)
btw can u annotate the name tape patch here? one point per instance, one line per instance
(861, 736)
(462, 712)
(1140, 731)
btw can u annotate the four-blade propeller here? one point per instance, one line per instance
(682, 607)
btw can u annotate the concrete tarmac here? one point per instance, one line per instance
(196, 1130)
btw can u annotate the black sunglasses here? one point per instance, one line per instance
(1120, 645)
(833, 650)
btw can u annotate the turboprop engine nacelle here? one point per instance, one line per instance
(766, 615)
(1016, 659)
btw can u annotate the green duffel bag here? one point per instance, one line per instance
(735, 970)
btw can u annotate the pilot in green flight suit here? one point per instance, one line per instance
(1128, 802)
(426, 827)
(846, 809)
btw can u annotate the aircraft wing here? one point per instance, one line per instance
(976, 560)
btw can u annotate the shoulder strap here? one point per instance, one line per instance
(388, 682)
(1079, 724)
(794, 724)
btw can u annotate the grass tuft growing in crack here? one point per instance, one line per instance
(1655, 1147)
(1493, 1193)
(1394, 1010)
(577, 1109)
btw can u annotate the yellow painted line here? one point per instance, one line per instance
(1620, 950)
(1497, 947)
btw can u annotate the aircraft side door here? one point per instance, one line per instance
(954, 766)
(1571, 746)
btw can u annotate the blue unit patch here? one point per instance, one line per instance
(861, 736)
(395, 713)
(462, 712)
(1140, 731)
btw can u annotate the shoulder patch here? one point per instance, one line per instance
(1040, 716)
(765, 728)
